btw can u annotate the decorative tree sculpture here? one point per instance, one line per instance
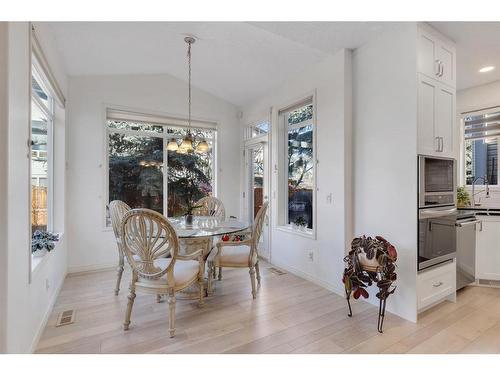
(370, 260)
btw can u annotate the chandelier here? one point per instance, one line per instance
(187, 144)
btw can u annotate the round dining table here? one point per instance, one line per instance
(201, 234)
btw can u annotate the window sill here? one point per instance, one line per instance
(37, 261)
(307, 233)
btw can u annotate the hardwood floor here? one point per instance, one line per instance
(290, 315)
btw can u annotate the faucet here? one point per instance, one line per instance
(487, 189)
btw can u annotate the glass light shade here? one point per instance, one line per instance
(186, 145)
(172, 145)
(202, 147)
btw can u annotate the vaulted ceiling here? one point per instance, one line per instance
(239, 61)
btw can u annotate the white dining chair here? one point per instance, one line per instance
(151, 246)
(240, 254)
(117, 210)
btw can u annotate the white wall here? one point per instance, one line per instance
(92, 246)
(385, 153)
(331, 80)
(3, 180)
(478, 97)
(29, 303)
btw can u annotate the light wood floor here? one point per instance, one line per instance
(290, 315)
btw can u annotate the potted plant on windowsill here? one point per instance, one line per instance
(42, 242)
(300, 223)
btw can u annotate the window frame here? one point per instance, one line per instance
(463, 177)
(165, 136)
(48, 111)
(283, 129)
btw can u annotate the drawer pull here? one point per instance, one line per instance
(437, 285)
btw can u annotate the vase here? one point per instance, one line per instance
(189, 219)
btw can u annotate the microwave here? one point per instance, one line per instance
(437, 181)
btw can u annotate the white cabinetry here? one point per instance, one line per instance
(436, 93)
(436, 56)
(436, 117)
(435, 285)
(488, 248)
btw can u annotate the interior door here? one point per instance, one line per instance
(256, 162)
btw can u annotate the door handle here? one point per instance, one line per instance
(437, 285)
(467, 223)
(442, 68)
(438, 144)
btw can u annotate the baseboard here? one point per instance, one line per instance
(323, 283)
(77, 270)
(50, 307)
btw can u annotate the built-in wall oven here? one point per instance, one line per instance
(437, 213)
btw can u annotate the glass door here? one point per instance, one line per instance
(256, 156)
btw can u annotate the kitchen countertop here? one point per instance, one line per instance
(483, 210)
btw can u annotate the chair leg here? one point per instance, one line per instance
(257, 270)
(119, 273)
(171, 313)
(131, 299)
(211, 276)
(252, 279)
(220, 273)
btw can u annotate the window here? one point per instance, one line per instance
(481, 147)
(136, 165)
(257, 129)
(299, 164)
(42, 118)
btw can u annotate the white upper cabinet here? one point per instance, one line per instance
(436, 56)
(436, 93)
(436, 118)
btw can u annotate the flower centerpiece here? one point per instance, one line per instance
(43, 242)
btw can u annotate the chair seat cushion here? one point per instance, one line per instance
(184, 271)
(234, 256)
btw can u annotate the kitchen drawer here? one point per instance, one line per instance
(435, 284)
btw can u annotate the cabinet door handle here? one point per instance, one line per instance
(437, 66)
(438, 144)
(442, 68)
(437, 285)
(442, 144)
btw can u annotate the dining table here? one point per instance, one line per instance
(201, 234)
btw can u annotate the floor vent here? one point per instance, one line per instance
(65, 318)
(277, 271)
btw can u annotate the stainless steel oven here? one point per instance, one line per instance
(437, 236)
(437, 181)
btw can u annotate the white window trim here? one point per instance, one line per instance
(283, 128)
(161, 119)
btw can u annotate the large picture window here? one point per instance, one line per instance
(142, 173)
(300, 164)
(42, 118)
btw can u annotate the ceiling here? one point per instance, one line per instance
(236, 61)
(239, 61)
(478, 45)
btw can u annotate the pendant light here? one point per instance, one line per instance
(187, 143)
(172, 145)
(186, 146)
